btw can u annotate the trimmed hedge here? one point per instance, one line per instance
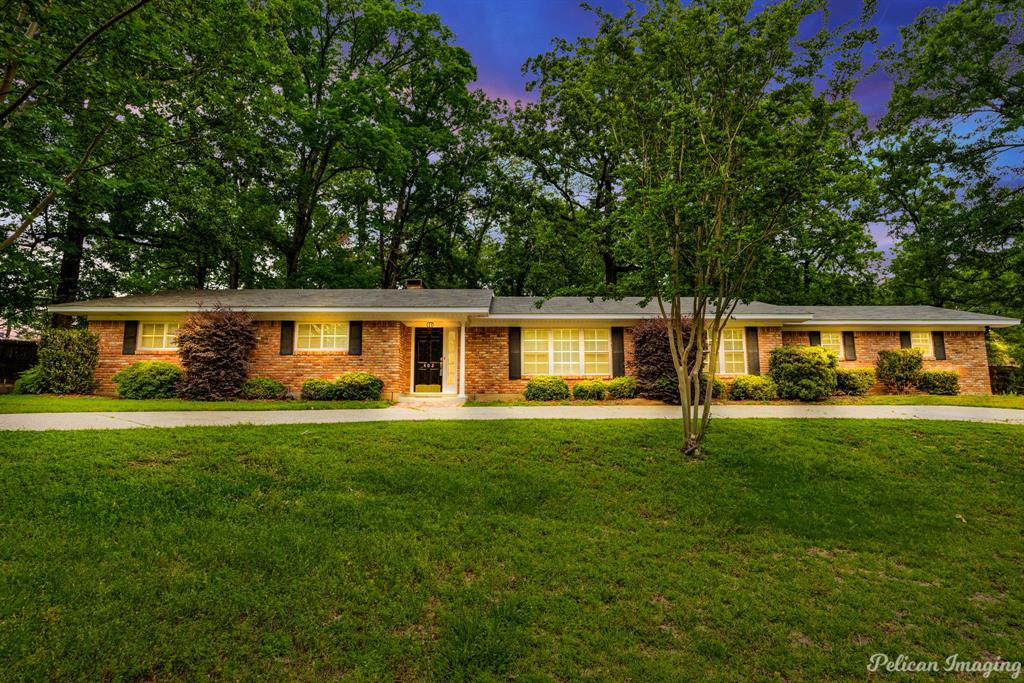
(622, 387)
(589, 390)
(855, 382)
(899, 370)
(546, 388)
(719, 389)
(320, 390)
(67, 361)
(29, 382)
(263, 388)
(805, 373)
(939, 382)
(351, 386)
(214, 347)
(148, 379)
(753, 388)
(359, 386)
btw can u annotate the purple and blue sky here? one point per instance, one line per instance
(502, 34)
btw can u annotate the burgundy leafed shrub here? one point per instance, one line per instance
(652, 361)
(214, 347)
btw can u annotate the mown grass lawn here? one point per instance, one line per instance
(21, 403)
(518, 549)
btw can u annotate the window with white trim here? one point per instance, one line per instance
(158, 336)
(568, 351)
(732, 353)
(922, 341)
(833, 341)
(321, 336)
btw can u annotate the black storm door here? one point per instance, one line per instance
(427, 362)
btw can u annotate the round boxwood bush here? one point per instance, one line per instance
(148, 379)
(359, 386)
(320, 390)
(622, 388)
(67, 361)
(29, 382)
(546, 388)
(804, 373)
(899, 370)
(753, 388)
(719, 389)
(589, 390)
(257, 388)
(855, 382)
(939, 382)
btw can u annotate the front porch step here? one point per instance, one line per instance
(430, 400)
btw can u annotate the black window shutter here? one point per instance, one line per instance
(849, 346)
(618, 352)
(355, 338)
(287, 337)
(815, 338)
(904, 339)
(753, 354)
(939, 345)
(131, 336)
(515, 353)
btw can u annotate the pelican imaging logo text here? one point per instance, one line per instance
(951, 664)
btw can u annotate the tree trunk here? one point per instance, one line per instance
(72, 251)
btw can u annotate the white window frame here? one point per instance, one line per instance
(169, 339)
(841, 351)
(929, 349)
(581, 349)
(344, 347)
(721, 352)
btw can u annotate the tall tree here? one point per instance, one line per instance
(731, 126)
(951, 157)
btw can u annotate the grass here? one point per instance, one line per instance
(20, 403)
(516, 549)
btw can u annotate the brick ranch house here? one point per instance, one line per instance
(468, 342)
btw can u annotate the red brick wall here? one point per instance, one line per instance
(487, 362)
(965, 353)
(386, 350)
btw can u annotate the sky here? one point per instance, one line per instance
(501, 34)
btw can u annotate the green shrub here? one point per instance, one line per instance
(214, 347)
(855, 382)
(753, 388)
(67, 361)
(148, 379)
(545, 388)
(256, 388)
(899, 370)
(719, 389)
(589, 390)
(939, 382)
(622, 387)
(804, 373)
(320, 390)
(359, 386)
(29, 382)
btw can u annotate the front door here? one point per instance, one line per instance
(429, 348)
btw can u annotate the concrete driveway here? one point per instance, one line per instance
(69, 421)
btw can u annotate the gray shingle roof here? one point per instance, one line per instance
(883, 314)
(482, 301)
(427, 299)
(628, 306)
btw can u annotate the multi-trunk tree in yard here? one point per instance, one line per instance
(731, 125)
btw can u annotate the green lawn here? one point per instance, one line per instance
(11, 403)
(493, 550)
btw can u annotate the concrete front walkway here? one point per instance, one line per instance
(66, 421)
